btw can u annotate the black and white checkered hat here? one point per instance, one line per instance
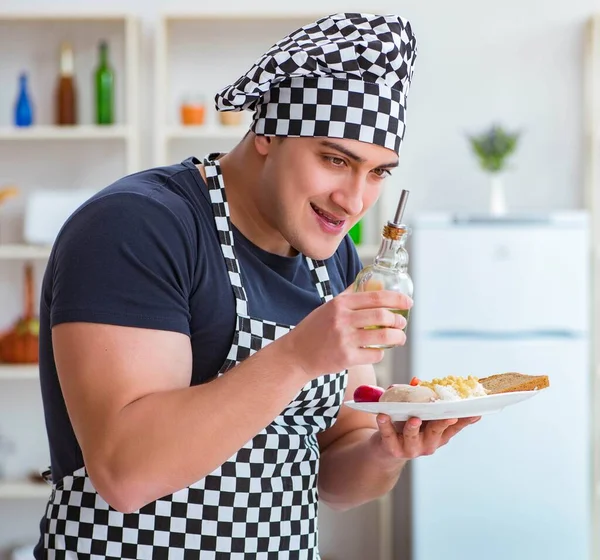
(345, 76)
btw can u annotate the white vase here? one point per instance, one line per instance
(497, 196)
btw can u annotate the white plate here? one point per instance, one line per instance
(439, 410)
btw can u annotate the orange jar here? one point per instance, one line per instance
(193, 111)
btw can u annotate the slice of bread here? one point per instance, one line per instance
(512, 382)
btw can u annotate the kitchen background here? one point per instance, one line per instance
(521, 484)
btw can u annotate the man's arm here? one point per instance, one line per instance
(144, 432)
(362, 455)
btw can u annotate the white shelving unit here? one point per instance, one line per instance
(24, 490)
(83, 31)
(19, 372)
(85, 155)
(16, 252)
(76, 132)
(212, 58)
(205, 132)
(591, 127)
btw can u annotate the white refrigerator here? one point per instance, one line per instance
(496, 295)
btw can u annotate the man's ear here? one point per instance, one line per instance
(262, 144)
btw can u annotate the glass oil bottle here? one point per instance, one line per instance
(389, 270)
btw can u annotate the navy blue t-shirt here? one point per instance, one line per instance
(144, 252)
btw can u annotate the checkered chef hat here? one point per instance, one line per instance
(345, 76)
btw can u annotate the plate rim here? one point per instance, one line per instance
(441, 402)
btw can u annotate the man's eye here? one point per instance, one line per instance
(382, 172)
(338, 162)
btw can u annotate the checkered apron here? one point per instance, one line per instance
(260, 504)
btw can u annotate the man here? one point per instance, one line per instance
(194, 359)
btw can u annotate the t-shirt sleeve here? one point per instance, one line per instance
(124, 259)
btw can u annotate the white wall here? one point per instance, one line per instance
(518, 62)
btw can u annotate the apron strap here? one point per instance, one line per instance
(216, 189)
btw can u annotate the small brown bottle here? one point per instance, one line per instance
(66, 94)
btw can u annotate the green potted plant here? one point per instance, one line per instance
(493, 148)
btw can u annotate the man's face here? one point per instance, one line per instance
(313, 190)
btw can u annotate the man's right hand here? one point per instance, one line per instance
(333, 337)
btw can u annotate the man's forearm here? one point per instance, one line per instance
(354, 470)
(166, 441)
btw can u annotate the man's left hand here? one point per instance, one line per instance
(415, 438)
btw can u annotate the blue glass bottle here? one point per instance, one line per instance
(23, 107)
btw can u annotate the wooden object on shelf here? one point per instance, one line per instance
(20, 344)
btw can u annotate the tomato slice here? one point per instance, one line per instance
(415, 381)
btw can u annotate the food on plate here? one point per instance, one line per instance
(452, 388)
(408, 393)
(368, 393)
(512, 382)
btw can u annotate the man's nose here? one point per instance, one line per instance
(350, 197)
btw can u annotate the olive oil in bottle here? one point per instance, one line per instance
(389, 270)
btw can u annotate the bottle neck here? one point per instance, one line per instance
(103, 54)
(66, 62)
(392, 253)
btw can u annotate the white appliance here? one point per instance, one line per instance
(496, 295)
(47, 211)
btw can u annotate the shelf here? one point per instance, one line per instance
(22, 490)
(9, 372)
(65, 16)
(79, 132)
(206, 131)
(241, 16)
(23, 252)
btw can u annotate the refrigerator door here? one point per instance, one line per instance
(516, 485)
(519, 277)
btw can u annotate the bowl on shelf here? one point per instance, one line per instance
(231, 118)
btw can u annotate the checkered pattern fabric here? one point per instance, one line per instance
(261, 503)
(344, 76)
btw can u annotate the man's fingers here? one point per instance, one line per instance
(450, 432)
(435, 428)
(377, 317)
(411, 438)
(375, 299)
(389, 436)
(380, 337)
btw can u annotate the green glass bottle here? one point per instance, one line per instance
(355, 232)
(105, 88)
